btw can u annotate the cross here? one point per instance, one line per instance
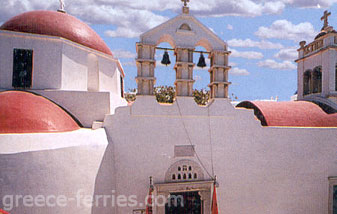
(185, 2)
(325, 18)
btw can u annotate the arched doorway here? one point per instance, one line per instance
(307, 82)
(184, 203)
(317, 80)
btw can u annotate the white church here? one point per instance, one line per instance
(70, 143)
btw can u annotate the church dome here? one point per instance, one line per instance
(24, 112)
(290, 113)
(58, 24)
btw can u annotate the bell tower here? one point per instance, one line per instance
(316, 67)
(184, 33)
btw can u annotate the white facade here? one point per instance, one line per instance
(62, 65)
(260, 169)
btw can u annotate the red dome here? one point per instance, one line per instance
(57, 24)
(24, 112)
(290, 113)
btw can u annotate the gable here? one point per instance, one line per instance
(184, 31)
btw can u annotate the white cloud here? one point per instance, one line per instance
(284, 29)
(124, 54)
(229, 27)
(246, 54)
(287, 54)
(123, 32)
(129, 19)
(197, 77)
(248, 43)
(239, 72)
(310, 4)
(272, 64)
(130, 63)
(232, 64)
(250, 8)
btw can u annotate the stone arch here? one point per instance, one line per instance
(307, 82)
(184, 170)
(317, 80)
(166, 38)
(205, 44)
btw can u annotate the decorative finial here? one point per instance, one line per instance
(302, 44)
(62, 6)
(185, 8)
(325, 19)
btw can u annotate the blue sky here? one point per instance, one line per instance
(262, 35)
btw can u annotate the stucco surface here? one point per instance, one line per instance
(260, 169)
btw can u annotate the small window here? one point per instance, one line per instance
(173, 177)
(189, 176)
(185, 27)
(189, 168)
(179, 168)
(122, 86)
(184, 176)
(22, 68)
(179, 177)
(195, 176)
(184, 168)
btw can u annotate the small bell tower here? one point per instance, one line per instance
(184, 33)
(316, 66)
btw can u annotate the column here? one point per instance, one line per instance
(219, 74)
(184, 71)
(145, 68)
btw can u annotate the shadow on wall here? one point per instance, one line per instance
(104, 184)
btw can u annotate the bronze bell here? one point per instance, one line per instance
(166, 59)
(201, 62)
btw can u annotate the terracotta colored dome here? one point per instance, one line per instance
(290, 113)
(24, 112)
(58, 24)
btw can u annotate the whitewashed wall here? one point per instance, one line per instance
(47, 59)
(71, 164)
(261, 170)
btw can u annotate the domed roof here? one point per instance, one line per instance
(24, 112)
(58, 24)
(290, 113)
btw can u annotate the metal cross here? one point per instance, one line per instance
(325, 18)
(185, 2)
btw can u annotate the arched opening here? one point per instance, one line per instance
(165, 76)
(185, 27)
(317, 80)
(306, 82)
(205, 44)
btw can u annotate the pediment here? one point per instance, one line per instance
(184, 31)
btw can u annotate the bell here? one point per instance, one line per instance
(201, 62)
(166, 59)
